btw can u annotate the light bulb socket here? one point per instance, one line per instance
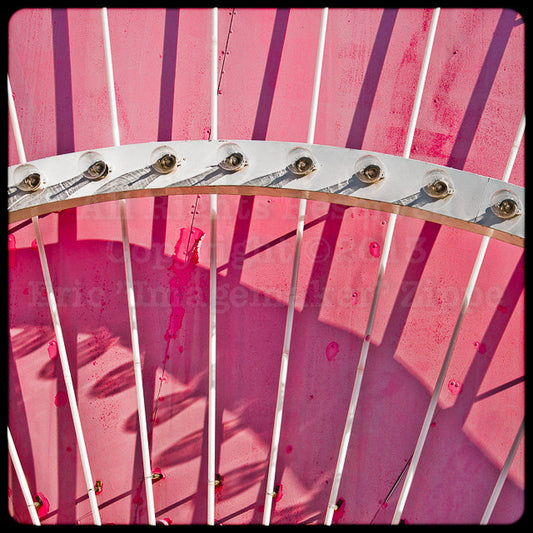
(369, 169)
(231, 157)
(93, 166)
(28, 178)
(437, 184)
(301, 162)
(164, 160)
(505, 204)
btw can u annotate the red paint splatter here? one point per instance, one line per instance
(52, 349)
(454, 386)
(12, 251)
(43, 510)
(375, 249)
(481, 347)
(184, 261)
(8, 492)
(332, 350)
(60, 398)
(502, 308)
(34, 244)
(288, 449)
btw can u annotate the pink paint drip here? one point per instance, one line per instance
(481, 348)
(184, 262)
(52, 349)
(12, 249)
(375, 249)
(454, 387)
(43, 511)
(332, 350)
(60, 398)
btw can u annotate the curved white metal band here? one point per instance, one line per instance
(266, 173)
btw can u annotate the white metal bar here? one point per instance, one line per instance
(15, 123)
(110, 78)
(292, 294)
(211, 402)
(22, 479)
(66, 372)
(502, 477)
(382, 267)
(137, 365)
(58, 332)
(442, 374)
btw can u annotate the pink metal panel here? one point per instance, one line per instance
(470, 111)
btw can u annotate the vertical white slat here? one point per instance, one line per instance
(442, 374)
(22, 479)
(381, 271)
(292, 294)
(137, 365)
(502, 477)
(58, 331)
(211, 401)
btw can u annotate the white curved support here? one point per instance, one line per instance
(442, 374)
(22, 479)
(137, 366)
(292, 294)
(211, 402)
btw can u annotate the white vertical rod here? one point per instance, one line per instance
(137, 365)
(292, 294)
(442, 374)
(22, 480)
(382, 267)
(66, 372)
(502, 477)
(15, 123)
(211, 402)
(110, 78)
(58, 331)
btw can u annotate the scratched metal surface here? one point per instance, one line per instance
(470, 112)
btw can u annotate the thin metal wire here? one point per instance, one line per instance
(382, 267)
(22, 479)
(442, 374)
(137, 365)
(269, 495)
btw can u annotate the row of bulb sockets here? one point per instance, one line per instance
(368, 169)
